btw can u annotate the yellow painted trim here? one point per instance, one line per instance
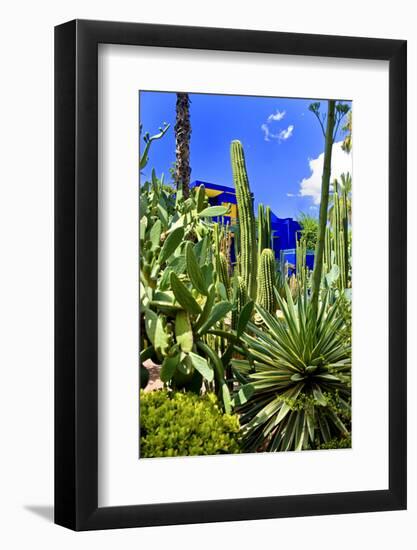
(213, 192)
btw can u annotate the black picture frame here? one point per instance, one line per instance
(76, 271)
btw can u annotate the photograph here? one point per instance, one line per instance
(208, 275)
(245, 215)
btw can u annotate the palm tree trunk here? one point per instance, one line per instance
(324, 203)
(182, 144)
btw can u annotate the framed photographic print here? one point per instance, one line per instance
(230, 247)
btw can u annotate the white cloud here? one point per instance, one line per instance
(266, 132)
(285, 134)
(282, 135)
(341, 163)
(291, 195)
(279, 115)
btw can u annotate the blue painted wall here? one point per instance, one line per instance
(284, 230)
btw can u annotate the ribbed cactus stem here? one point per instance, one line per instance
(220, 261)
(247, 228)
(266, 280)
(240, 299)
(327, 250)
(346, 236)
(301, 267)
(222, 269)
(261, 228)
(337, 237)
(268, 230)
(264, 228)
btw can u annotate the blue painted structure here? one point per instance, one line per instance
(289, 256)
(284, 230)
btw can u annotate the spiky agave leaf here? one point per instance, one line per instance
(299, 368)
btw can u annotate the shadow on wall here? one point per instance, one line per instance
(45, 512)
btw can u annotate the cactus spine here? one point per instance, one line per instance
(264, 228)
(247, 229)
(337, 237)
(260, 227)
(220, 261)
(222, 270)
(266, 280)
(301, 268)
(268, 230)
(240, 299)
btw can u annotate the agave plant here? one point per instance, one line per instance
(295, 383)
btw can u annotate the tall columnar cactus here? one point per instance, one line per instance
(301, 268)
(266, 280)
(261, 214)
(220, 260)
(264, 228)
(337, 238)
(327, 258)
(345, 222)
(247, 228)
(240, 298)
(268, 230)
(222, 269)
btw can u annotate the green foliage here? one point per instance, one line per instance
(286, 372)
(247, 228)
(299, 371)
(182, 298)
(337, 443)
(347, 142)
(344, 303)
(179, 319)
(309, 230)
(184, 424)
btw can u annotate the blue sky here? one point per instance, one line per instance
(282, 139)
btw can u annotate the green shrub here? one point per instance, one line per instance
(337, 443)
(185, 424)
(309, 229)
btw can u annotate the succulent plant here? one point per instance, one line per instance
(296, 377)
(286, 372)
(247, 228)
(184, 293)
(240, 297)
(148, 141)
(266, 280)
(337, 241)
(264, 228)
